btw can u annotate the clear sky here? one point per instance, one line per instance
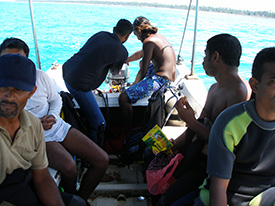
(252, 5)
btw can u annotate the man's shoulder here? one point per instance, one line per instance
(103, 34)
(238, 107)
(237, 93)
(29, 119)
(40, 72)
(229, 94)
(41, 75)
(232, 112)
(152, 38)
(212, 87)
(105, 41)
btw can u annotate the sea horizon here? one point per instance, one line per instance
(62, 29)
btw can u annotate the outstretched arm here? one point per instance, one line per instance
(136, 56)
(46, 188)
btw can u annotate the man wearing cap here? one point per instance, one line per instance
(24, 176)
(62, 140)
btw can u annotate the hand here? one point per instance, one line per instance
(47, 121)
(185, 111)
(174, 147)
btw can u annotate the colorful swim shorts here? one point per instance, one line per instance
(147, 86)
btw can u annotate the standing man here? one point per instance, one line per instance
(22, 145)
(157, 67)
(241, 155)
(87, 69)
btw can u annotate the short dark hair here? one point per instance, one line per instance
(228, 46)
(123, 27)
(264, 56)
(14, 43)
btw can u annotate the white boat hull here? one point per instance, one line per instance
(192, 88)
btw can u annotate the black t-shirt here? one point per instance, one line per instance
(87, 69)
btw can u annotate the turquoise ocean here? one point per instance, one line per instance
(62, 29)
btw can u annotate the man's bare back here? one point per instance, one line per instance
(157, 50)
(223, 95)
(162, 55)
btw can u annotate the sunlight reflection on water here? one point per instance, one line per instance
(63, 28)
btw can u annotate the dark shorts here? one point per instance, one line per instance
(147, 86)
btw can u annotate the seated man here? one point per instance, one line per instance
(150, 77)
(61, 139)
(221, 61)
(241, 145)
(22, 145)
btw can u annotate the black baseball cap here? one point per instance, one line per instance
(17, 71)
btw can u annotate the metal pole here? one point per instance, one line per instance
(185, 26)
(195, 39)
(34, 36)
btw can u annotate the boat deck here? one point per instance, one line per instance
(128, 187)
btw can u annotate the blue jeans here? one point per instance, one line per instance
(90, 108)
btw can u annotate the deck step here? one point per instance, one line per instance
(113, 190)
(127, 188)
(120, 201)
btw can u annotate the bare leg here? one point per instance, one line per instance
(61, 160)
(81, 146)
(127, 111)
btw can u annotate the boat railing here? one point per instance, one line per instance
(179, 58)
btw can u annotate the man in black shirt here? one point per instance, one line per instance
(87, 69)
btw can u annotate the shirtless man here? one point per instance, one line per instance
(221, 61)
(157, 67)
(241, 156)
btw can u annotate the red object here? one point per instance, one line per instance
(114, 142)
(160, 180)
